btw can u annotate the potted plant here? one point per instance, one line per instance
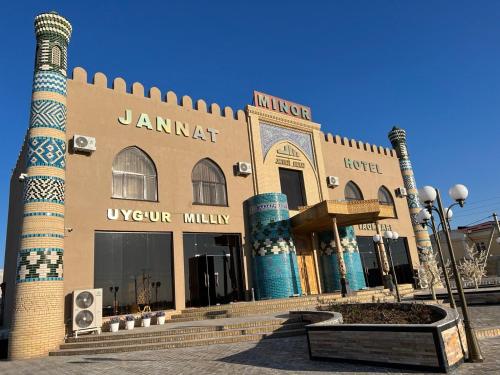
(146, 319)
(114, 324)
(129, 322)
(160, 317)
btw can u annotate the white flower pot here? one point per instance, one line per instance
(130, 325)
(113, 327)
(146, 322)
(160, 320)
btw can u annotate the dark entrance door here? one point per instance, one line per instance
(210, 280)
(370, 261)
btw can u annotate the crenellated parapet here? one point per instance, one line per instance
(154, 93)
(359, 145)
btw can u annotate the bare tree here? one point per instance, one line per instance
(429, 272)
(472, 266)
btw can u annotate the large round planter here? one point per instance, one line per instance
(113, 327)
(160, 320)
(129, 325)
(146, 322)
(438, 346)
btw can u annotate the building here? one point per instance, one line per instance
(169, 202)
(478, 236)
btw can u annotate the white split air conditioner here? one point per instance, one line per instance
(401, 192)
(332, 181)
(87, 310)
(83, 143)
(243, 168)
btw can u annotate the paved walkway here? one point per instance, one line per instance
(278, 356)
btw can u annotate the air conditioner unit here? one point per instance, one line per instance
(332, 181)
(401, 192)
(87, 310)
(83, 143)
(243, 168)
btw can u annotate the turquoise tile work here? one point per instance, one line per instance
(328, 263)
(275, 269)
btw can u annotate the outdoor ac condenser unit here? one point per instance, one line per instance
(243, 168)
(87, 310)
(332, 181)
(401, 192)
(84, 143)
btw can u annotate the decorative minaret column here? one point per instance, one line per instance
(38, 316)
(397, 137)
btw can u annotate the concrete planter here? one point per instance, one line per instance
(129, 324)
(160, 320)
(439, 346)
(146, 322)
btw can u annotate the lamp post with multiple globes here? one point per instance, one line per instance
(389, 236)
(428, 195)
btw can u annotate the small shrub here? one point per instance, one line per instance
(160, 313)
(129, 318)
(146, 315)
(114, 320)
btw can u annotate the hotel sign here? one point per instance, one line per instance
(281, 105)
(360, 165)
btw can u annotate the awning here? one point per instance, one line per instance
(320, 216)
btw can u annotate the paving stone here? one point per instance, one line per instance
(279, 356)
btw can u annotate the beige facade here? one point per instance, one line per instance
(176, 133)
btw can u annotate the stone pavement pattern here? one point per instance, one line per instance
(275, 356)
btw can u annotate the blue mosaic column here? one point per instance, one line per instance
(329, 268)
(275, 268)
(38, 315)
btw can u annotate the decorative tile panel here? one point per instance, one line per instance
(47, 152)
(48, 114)
(44, 189)
(271, 134)
(40, 264)
(49, 81)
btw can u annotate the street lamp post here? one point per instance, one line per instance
(389, 235)
(424, 217)
(428, 195)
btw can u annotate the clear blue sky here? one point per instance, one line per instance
(433, 67)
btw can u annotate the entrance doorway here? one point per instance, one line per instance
(306, 265)
(209, 280)
(213, 269)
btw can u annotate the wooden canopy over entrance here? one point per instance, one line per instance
(319, 217)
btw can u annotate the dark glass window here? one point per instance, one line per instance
(370, 261)
(384, 196)
(352, 192)
(209, 184)
(212, 268)
(140, 265)
(292, 185)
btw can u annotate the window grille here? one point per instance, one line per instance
(352, 192)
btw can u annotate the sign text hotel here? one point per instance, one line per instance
(362, 165)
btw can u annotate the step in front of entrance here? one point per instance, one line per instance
(179, 338)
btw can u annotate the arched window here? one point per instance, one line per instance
(56, 56)
(209, 184)
(352, 192)
(384, 196)
(134, 175)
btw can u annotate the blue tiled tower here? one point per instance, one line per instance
(275, 269)
(329, 268)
